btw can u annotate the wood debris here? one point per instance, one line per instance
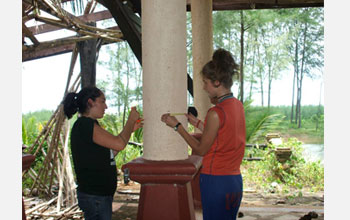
(41, 209)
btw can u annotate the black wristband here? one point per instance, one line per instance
(177, 126)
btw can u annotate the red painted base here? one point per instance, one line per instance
(27, 160)
(196, 191)
(165, 187)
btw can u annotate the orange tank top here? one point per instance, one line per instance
(226, 153)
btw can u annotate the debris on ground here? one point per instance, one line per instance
(309, 216)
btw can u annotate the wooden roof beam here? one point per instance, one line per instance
(220, 5)
(97, 16)
(56, 47)
(29, 34)
(129, 24)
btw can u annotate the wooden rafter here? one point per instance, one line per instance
(71, 22)
(129, 23)
(63, 20)
(44, 28)
(220, 5)
(29, 34)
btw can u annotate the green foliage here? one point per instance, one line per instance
(40, 116)
(122, 85)
(32, 125)
(113, 124)
(259, 122)
(296, 174)
(277, 119)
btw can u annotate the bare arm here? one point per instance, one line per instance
(209, 134)
(195, 121)
(116, 143)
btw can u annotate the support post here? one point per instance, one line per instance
(202, 50)
(165, 171)
(87, 52)
(165, 187)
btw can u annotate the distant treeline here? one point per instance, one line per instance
(307, 111)
(40, 116)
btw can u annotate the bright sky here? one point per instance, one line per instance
(44, 81)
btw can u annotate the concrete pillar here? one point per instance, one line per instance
(164, 77)
(202, 50)
(165, 171)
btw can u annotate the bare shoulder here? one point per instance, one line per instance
(213, 115)
(213, 118)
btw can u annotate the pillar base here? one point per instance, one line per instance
(165, 187)
(27, 160)
(197, 201)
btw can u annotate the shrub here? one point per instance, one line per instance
(270, 175)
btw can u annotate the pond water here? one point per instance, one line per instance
(313, 152)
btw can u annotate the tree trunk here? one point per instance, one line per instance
(296, 70)
(242, 60)
(319, 107)
(118, 59)
(293, 92)
(126, 98)
(302, 73)
(299, 106)
(252, 74)
(261, 81)
(269, 87)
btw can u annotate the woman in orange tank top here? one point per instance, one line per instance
(222, 142)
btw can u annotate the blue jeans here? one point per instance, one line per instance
(95, 207)
(221, 196)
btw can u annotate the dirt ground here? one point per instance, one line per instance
(261, 199)
(126, 201)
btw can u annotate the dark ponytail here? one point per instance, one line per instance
(222, 68)
(78, 102)
(70, 106)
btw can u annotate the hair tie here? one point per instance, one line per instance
(75, 101)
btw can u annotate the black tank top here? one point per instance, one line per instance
(96, 173)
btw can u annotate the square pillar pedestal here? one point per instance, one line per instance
(165, 187)
(27, 160)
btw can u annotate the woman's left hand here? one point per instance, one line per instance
(171, 121)
(138, 124)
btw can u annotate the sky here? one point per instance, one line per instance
(337, 105)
